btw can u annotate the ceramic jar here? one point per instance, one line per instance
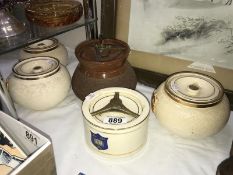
(39, 83)
(102, 63)
(226, 166)
(115, 121)
(48, 47)
(191, 105)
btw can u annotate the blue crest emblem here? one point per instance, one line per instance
(100, 142)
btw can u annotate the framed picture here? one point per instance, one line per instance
(179, 35)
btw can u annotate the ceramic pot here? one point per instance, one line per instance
(39, 83)
(116, 121)
(225, 167)
(231, 152)
(48, 47)
(102, 63)
(191, 105)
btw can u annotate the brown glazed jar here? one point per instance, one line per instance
(102, 63)
(226, 166)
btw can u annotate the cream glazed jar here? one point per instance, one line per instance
(39, 83)
(48, 47)
(191, 105)
(115, 121)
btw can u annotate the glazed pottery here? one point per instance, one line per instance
(39, 83)
(102, 63)
(116, 121)
(225, 167)
(191, 105)
(231, 152)
(48, 47)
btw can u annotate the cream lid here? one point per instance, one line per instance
(137, 108)
(36, 67)
(194, 89)
(42, 46)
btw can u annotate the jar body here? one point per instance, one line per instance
(84, 83)
(58, 52)
(41, 93)
(105, 134)
(188, 121)
(116, 143)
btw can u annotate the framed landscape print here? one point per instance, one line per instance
(169, 36)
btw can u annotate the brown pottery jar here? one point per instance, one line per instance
(226, 166)
(102, 63)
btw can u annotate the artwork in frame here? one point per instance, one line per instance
(200, 30)
(175, 35)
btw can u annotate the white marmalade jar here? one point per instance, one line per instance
(39, 83)
(191, 105)
(48, 47)
(116, 121)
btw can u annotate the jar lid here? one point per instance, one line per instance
(102, 50)
(36, 67)
(194, 89)
(115, 108)
(42, 46)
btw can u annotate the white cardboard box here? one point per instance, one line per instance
(35, 144)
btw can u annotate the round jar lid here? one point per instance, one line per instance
(194, 89)
(102, 50)
(36, 67)
(42, 46)
(115, 108)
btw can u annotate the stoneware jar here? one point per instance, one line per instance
(48, 47)
(191, 105)
(39, 83)
(226, 166)
(102, 63)
(116, 121)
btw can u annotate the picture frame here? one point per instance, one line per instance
(153, 68)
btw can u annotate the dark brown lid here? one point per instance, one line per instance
(102, 55)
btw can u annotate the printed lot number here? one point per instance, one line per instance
(115, 120)
(31, 137)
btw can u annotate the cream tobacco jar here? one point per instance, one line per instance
(48, 47)
(39, 83)
(102, 64)
(116, 121)
(191, 105)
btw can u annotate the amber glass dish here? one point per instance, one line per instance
(54, 13)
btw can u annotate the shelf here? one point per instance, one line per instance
(35, 33)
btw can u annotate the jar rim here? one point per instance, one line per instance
(135, 96)
(29, 69)
(34, 50)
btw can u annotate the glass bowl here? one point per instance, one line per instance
(54, 13)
